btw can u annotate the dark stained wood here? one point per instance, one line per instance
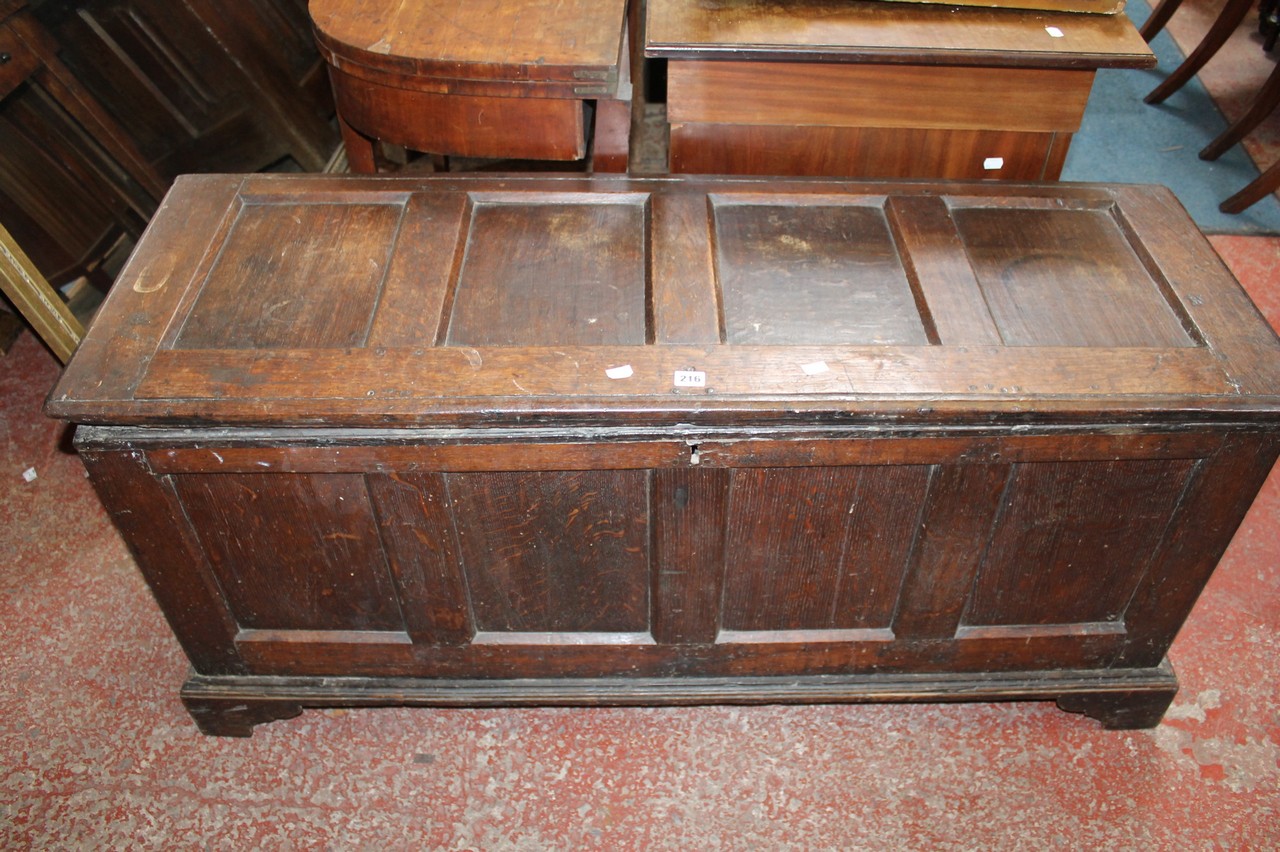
(687, 307)
(948, 296)
(1060, 516)
(1207, 517)
(231, 706)
(1102, 297)
(689, 506)
(555, 552)
(515, 297)
(1121, 710)
(819, 548)
(602, 440)
(421, 545)
(812, 274)
(311, 243)
(292, 551)
(148, 515)
(202, 85)
(952, 541)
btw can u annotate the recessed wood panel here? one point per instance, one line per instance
(298, 276)
(812, 274)
(818, 548)
(555, 551)
(1065, 278)
(293, 551)
(554, 273)
(1074, 539)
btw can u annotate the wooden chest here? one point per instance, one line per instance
(570, 440)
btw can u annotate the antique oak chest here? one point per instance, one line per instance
(569, 440)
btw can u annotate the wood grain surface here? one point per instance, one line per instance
(671, 440)
(852, 30)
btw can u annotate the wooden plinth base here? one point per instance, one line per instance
(1120, 699)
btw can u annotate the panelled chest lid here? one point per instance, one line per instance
(308, 300)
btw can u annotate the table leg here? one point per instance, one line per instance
(361, 155)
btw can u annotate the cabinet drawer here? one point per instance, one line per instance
(16, 61)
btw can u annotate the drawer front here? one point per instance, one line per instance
(867, 152)
(16, 61)
(863, 95)
(463, 125)
(719, 556)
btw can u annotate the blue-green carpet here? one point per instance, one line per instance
(1123, 140)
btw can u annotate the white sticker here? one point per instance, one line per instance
(815, 368)
(690, 379)
(623, 372)
(1053, 31)
(993, 163)
(29, 474)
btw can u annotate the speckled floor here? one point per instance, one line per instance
(98, 753)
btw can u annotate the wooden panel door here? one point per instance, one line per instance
(202, 87)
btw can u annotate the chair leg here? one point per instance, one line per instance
(1264, 103)
(1160, 16)
(1230, 17)
(1262, 186)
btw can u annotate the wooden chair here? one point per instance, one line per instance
(36, 300)
(1264, 103)
(1228, 19)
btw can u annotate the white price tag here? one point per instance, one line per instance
(623, 372)
(690, 379)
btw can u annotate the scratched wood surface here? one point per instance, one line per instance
(510, 39)
(608, 440)
(849, 30)
(312, 300)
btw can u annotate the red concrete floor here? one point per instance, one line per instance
(96, 751)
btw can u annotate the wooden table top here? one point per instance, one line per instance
(479, 39)
(855, 31)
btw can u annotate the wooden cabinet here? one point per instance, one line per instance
(889, 90)
(608, 441)
(203, 85)
(106, 101)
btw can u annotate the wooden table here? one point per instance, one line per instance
(849, 88)
(518, 79)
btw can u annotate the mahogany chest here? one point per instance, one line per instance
(570, 440)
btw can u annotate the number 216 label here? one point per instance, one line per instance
(690, 379)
